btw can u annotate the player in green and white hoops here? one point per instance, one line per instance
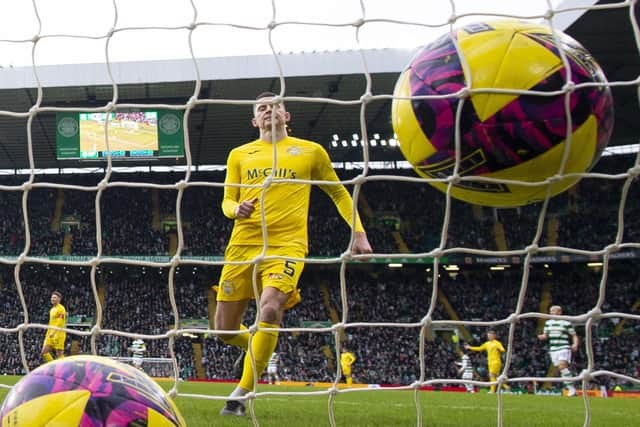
(563, 340)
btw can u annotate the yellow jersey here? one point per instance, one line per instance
(347, 358)
(57, 317)
(494, 351)
(286, 205)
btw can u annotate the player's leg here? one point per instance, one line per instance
(272, 303)
(561, 360)
(565, 372)
(348, 376)
(233, 294)
(494, 371)
(468, 386)
(58, 344)
(278, 280)
(46, 351)
(229, 318)
(263, 344)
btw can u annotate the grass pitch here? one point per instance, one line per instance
(397, 408)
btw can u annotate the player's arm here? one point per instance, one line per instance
(475, 347)
(576, 341)
(231, 207)
(544, 335)
(501, 347)
(342, 199)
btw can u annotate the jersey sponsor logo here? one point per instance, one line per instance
(265, 172)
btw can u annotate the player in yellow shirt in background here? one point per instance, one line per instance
(346, 360)
(54, 340)
(494, 350)
(285, 208)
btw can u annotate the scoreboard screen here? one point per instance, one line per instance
(140, 134)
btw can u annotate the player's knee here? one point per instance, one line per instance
(271, 313)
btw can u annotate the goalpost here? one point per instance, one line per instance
(606, 254)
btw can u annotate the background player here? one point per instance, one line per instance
(559, 332)
(466, 370)
(272, 369)
(54, 340)
(138, 348)
(346, 360)
(286, 210)
(494, 350)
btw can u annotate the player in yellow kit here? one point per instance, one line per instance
(346, 360)
(494, 350)
(285, 208)
(54, 339)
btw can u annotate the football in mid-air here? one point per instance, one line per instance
(466, 82)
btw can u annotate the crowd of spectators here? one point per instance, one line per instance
(141, 220)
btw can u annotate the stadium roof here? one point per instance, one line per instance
(216, 127)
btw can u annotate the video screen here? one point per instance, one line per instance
(131, 134)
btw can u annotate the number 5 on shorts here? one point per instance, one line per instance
(289, 268)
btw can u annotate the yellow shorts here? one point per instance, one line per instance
(57, 341)
(346, 370)
(236, 279)
(494, 368)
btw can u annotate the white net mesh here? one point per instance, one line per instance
(415, 326)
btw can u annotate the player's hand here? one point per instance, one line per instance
(246, 208)
(542, 337)
(466, 346)
(361, 245)
(574, 348)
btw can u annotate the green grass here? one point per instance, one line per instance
(397, 408)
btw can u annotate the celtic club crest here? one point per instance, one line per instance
(169, 124)
(68, 127)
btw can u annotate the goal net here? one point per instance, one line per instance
(134, 249)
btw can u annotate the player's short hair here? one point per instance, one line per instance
(491, 331)
(57, 293)
(555, 308)
(265, 94)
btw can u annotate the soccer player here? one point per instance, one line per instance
(466, 370)
(138, 348)
(285, 209)
(54, 340)
(563, 340)
(272, 368)
(494, 350)
(346, 360)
